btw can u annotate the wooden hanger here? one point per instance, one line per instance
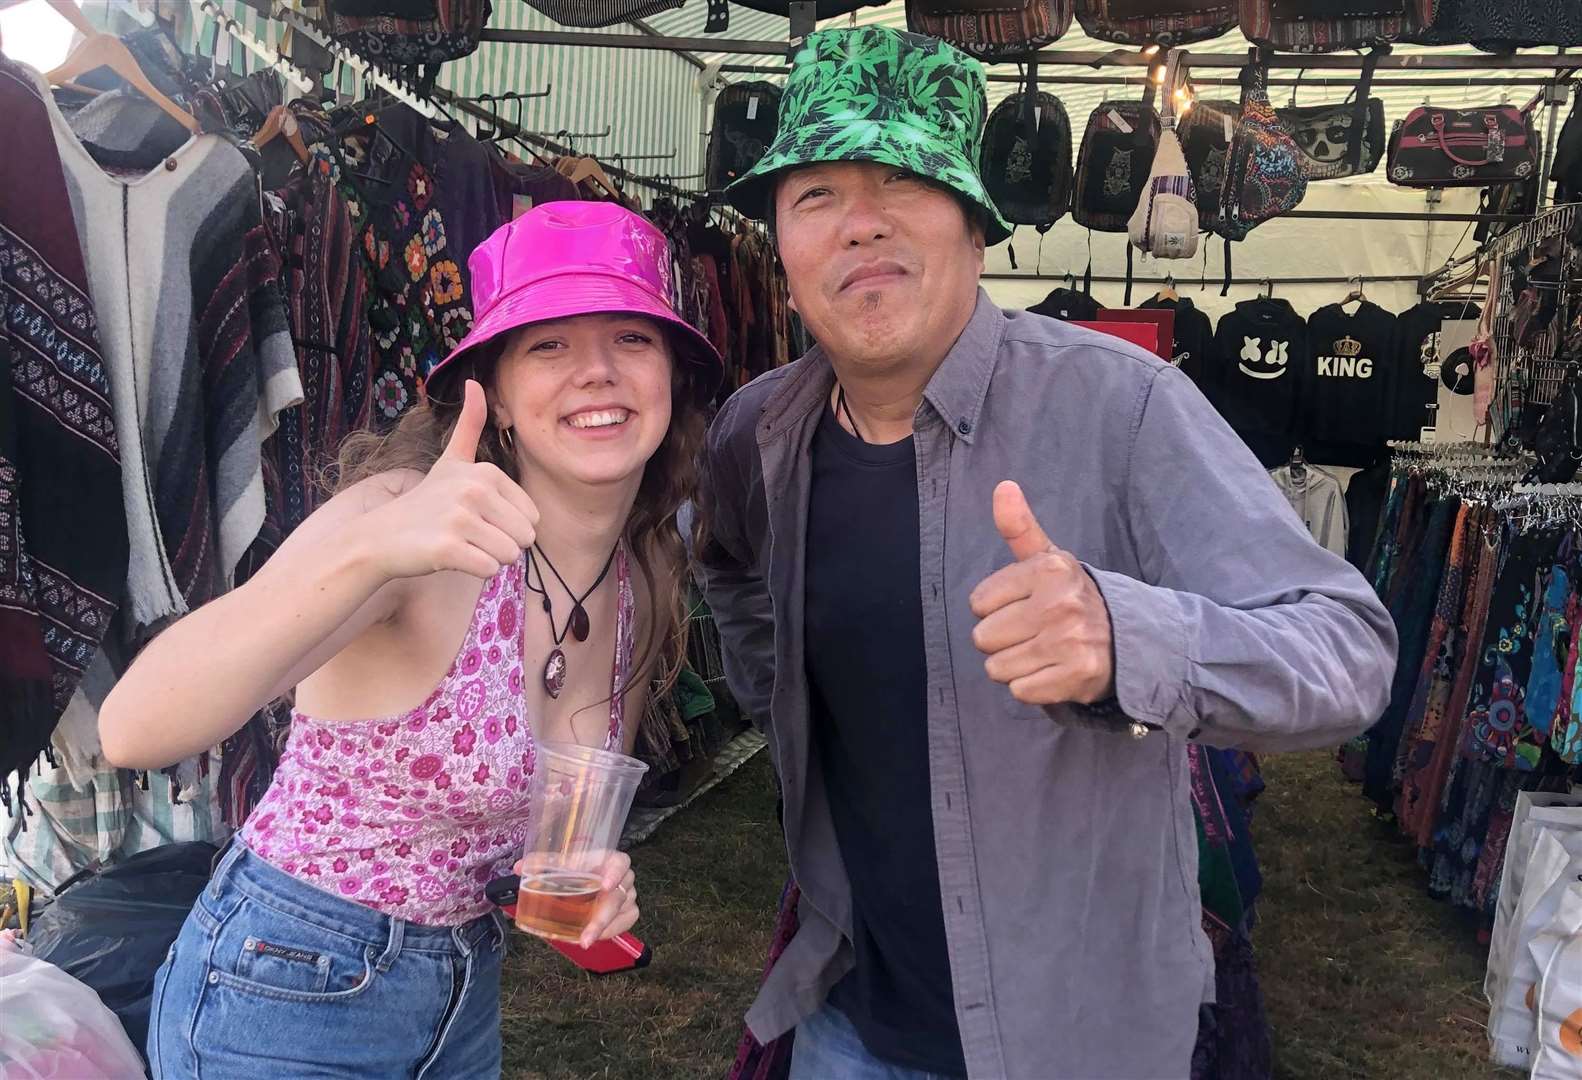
(106, 50)
(587, 170)
(1168, 291)
(1355, 294)
(282, 121)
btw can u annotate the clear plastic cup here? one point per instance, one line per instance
(579, 801)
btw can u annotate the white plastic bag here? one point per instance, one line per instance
(1560, 1015)
(55, 1028)
(1556, 861)
(1549, 809)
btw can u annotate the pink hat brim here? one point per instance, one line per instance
(579, 292)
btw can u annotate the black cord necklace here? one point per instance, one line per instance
(578, 625)
(842, 407)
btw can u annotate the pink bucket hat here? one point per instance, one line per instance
(562, 259)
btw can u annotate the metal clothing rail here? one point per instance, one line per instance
(272, 57)
(1183, 283)
(1141, 78)
(508, 130)
(1113, 58)
(366, 69)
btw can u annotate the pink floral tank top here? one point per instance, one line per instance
(414, 814)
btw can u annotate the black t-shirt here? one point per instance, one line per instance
(1348, 395)
(868, 680)
(1067, 305)
(1417, 345)
(1260, 350)
(1194, 340)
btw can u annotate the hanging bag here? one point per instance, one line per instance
(1167, 23)
(1558, 444)
(1026, 158)
(991, 29)
(1113, 163)
(1436, 147)
(1207, 132)
(1320, 26)
(1342, 140)
(449, 34)
(1263, 176)
(1165, 223)
(746, 117)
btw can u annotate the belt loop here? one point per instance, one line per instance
(459, 935)
(393, 949)
(221, 867)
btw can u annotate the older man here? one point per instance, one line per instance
(980, 576)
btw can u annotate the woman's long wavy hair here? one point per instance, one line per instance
(669, 479)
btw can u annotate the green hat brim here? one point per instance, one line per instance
(903, 145)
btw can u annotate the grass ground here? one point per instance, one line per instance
(1365, 977)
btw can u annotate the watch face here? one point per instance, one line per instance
(1456, 372)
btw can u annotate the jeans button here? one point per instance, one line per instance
(214, 977)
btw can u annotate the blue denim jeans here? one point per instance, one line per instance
(827, 1047)
(271, 977)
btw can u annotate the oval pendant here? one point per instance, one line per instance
(580, 624)
(555, 673)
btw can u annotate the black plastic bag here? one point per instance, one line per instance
(111, 930)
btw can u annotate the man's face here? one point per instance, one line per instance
(883, 266)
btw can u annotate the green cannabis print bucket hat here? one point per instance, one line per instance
(875, 94)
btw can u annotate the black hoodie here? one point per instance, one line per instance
(1194, 341)
(1348, 400)
(1260, 350)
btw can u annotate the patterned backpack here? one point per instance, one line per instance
(991, 29)
(1264, 175)
(1112, 166)
(1319, 26)
(1156, 22)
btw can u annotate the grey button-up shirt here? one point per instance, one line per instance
(1066, 846)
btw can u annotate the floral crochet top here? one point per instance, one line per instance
(413, 815)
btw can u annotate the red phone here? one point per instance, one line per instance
(624, 952)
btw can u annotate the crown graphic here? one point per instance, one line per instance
(1348, 346)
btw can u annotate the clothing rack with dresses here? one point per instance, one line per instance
(1480, 573)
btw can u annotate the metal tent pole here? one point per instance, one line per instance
(1113, 58)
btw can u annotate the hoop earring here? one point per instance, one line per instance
(507, 441)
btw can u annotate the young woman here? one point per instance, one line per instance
(501, 569)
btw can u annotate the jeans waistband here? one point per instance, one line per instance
(243, 870)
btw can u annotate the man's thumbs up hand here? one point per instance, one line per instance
(1042, 622)
(1015, 520)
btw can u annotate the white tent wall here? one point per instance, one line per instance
(1282, 248)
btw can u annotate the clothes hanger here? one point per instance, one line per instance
(1168, 291)
(588, 170)
(106, 50)
(1356, 294)
(1266, 289)
(282, 121)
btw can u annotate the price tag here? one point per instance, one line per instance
(752, 107)
(1120, 122)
